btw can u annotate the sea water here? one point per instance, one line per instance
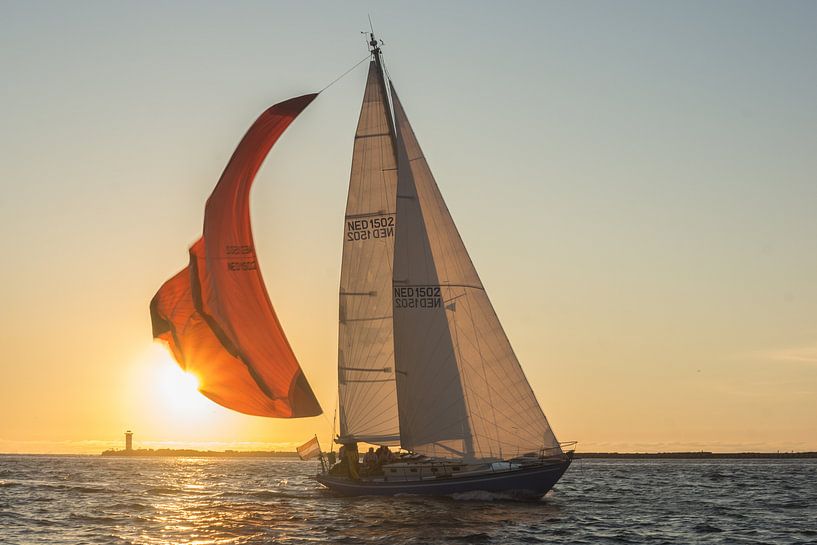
(90, 499)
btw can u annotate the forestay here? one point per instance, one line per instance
(461, 390)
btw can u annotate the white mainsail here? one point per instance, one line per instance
(461, 391)
(367, 395)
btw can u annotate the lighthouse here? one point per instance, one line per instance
(128, 441)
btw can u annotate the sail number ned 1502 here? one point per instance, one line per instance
(369, 228)
(422, 297)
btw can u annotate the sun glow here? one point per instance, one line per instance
(172, 395)
(179, 390)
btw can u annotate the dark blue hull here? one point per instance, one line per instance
(530, 482)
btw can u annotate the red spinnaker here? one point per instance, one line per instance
(216, 315)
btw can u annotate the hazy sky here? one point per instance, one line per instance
(636, 183)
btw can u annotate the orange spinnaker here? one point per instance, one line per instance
(216, 315)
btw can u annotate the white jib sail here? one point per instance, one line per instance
(367, 395)
(461, 390)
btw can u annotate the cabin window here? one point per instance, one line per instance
(456, 468)
(393, 470)
(414, 470)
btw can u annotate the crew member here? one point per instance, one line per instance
(352, 460)
(370, 460)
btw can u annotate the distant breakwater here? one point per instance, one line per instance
(704, 455)
(697, 455)
(191, 453)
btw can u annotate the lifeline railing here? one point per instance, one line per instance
(563, 448)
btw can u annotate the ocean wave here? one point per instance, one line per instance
(480, 495)
(95, 519)
(163, 491)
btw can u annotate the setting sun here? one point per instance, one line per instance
(179, 389)
(173, 393)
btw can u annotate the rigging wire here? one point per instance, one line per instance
(332, 435)
(337, 79)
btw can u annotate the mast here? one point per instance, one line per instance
(377, 53)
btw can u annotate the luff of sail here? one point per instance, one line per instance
(461, 390)
(216, 314)
(367, 395)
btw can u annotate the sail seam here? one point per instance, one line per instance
(361, 136)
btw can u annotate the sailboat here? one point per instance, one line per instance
(423, 362)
